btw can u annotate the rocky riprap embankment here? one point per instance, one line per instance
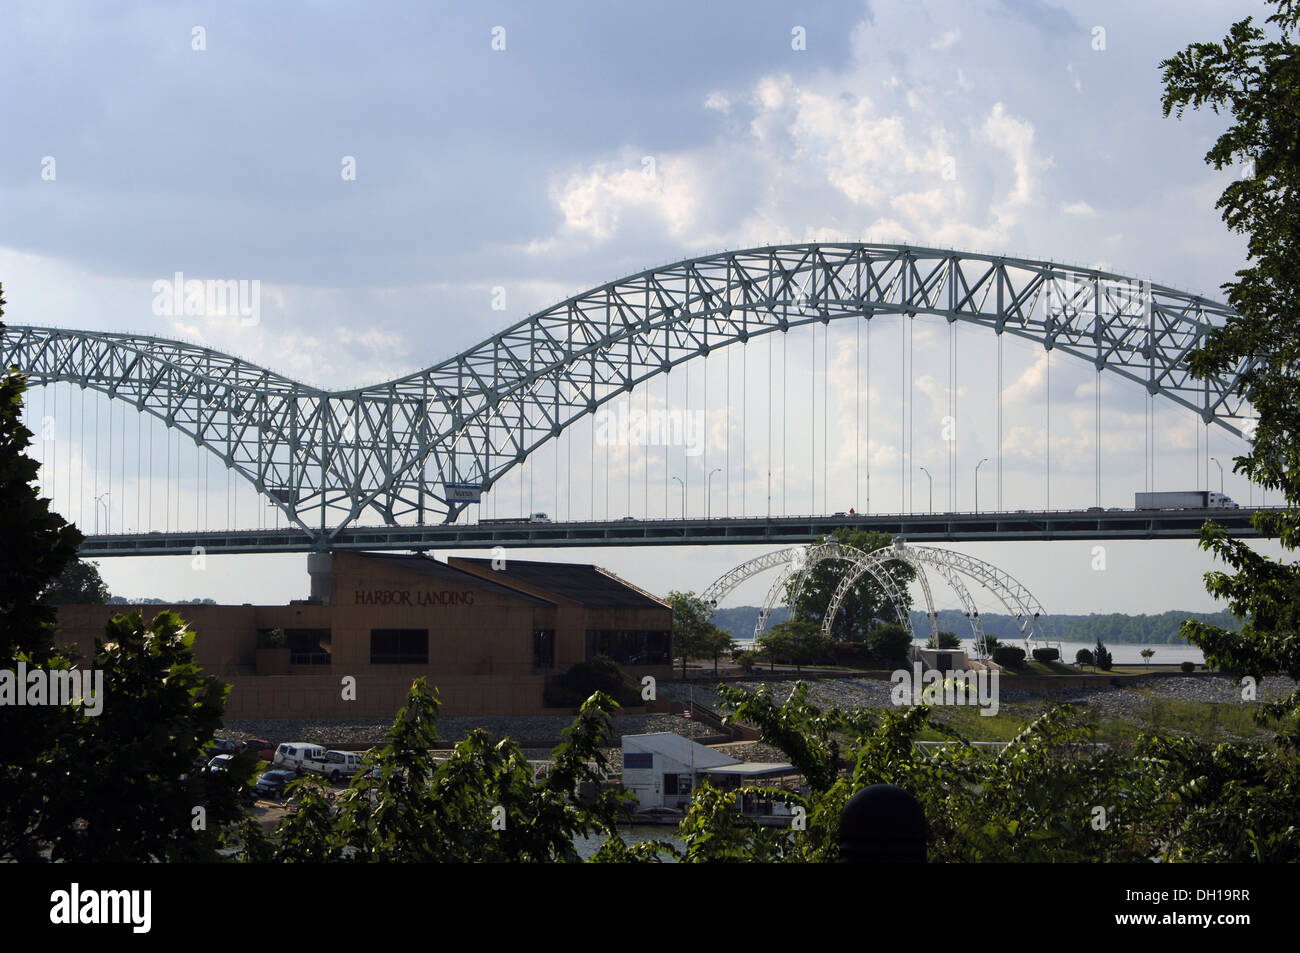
(532, 731)
(1127, 701)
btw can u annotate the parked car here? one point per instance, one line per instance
(221, 746)
(293, 755)
(260, 747)
(221, 763)
(272, 783)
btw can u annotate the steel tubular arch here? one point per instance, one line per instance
(832, 550)
(325, 458)
(1014, 596)
(1002, 584)
(724, 584)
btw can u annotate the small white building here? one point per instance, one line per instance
(945, 660)
(658, 768)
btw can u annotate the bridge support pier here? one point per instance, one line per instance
(320, 566)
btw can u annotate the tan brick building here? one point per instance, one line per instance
(486, 637)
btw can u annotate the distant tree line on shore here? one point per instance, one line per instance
(1117, 627)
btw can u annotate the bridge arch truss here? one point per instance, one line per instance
(326, 458)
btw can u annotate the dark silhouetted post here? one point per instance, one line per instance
(882, 824)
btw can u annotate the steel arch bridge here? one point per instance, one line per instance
(796, 563)
(329, 458)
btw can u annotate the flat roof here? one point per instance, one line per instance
(751, 769)
(437, 570)
(588, 585)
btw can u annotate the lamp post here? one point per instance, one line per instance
(683, 485)
(931, 479)
(708, 491)
(977, 483)
(100, 500)
(1216, 462)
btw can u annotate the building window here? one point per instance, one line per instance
(308, 646)
(399, 646)
(631, 646)
(670, 783)
(544, 649)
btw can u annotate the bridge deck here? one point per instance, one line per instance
(940, 527)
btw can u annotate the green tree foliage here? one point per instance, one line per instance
(796, 642)
(483, 803)
(863, 605)
(888, 645)
(694, 633)
(82, 787)
(38, 544)
(1084, 657)
(945, 640)
(1048, 796)
(1253, 76)
(131, 777)
(78, 584)
(1101, 657)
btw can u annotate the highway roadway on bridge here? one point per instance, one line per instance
(1088, 524)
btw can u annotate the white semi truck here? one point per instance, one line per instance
(1183, 500)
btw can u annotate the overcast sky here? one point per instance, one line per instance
(143, 140)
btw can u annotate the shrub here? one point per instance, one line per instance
(1009, 656)
(1188, 667)
(947, 640)
(1083, 657)
(1046, 655)
(852, 653)
(575, 686)
(889, 645)
(1102, 657)
(272, 639)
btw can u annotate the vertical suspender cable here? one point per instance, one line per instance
(911, 405)
(1097, 438)
(785, 414)
(646, 455)
(1049, 429)
(81, 460)
(94, 405)
(999, 420)
(812, 421)
(857, 414)
(826, 413)
(54, 457)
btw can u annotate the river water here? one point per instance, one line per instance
(1121, 654)
(635, 834)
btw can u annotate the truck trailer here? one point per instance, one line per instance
(1182, 500)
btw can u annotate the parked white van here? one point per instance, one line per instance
(293, 754)
(335, 764)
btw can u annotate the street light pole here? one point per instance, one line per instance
(1216, 462)
(683, 485)
(931, 479)
(708, 492)
(977, 483)
(100, 500)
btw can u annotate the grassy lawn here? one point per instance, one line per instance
(1208, 721)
